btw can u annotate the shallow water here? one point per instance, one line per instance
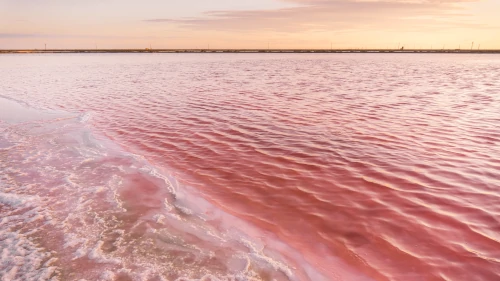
(251, 166)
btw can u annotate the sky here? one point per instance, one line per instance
(318, 24)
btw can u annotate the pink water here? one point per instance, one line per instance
(250, 167)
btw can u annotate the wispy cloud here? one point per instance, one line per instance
(45, 35)
(161, 20)
(323, 15)
(19, 35)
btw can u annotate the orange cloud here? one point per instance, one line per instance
(321, 15)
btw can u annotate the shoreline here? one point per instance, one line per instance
(244, 51)
(133, 218)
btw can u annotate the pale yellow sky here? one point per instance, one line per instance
(249, 24)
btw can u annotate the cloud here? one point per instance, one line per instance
(330, 2)
(161, 20)
(46, 35)
(327, 15)
(19, 35)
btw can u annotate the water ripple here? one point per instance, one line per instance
(389, 163)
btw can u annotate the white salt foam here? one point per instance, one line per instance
(82, 209)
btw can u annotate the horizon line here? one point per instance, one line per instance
(250, 50)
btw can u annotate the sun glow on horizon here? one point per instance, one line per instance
(315, 24)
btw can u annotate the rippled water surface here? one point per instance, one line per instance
(250, 167)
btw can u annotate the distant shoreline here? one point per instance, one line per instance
(381, 51)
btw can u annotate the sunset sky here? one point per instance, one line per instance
(249, 24)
